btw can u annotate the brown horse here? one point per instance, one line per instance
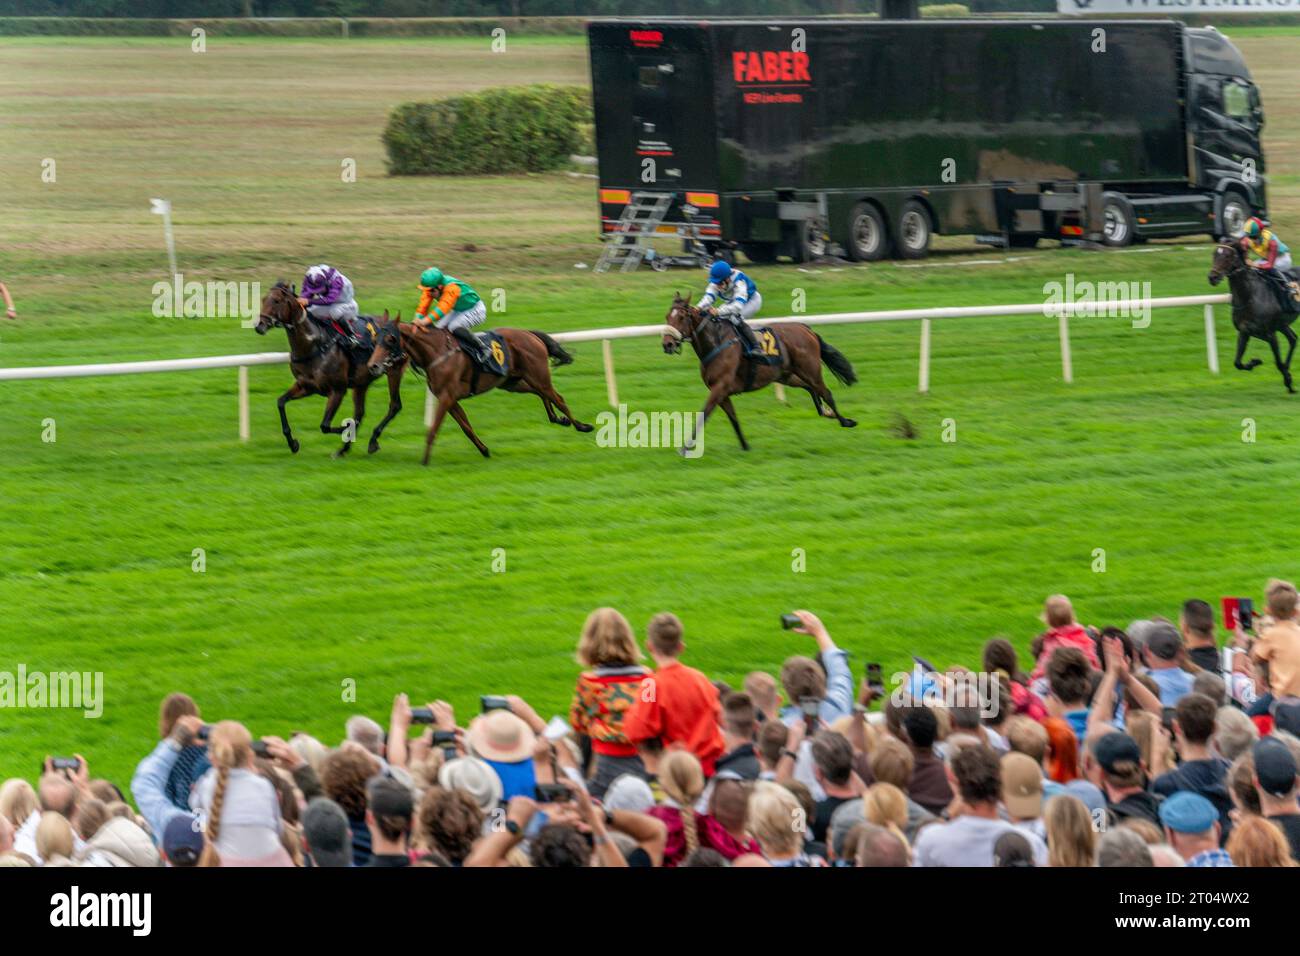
(727, 371)
(452, 375)
(320, 366)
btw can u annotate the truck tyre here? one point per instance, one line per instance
(1236, 210)
(1119, 224)
(914, 231)
(1023, 240)
(760, 253)
(868, 238)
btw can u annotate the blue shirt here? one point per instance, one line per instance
(1215, 857)
(741, 288)
(1174, 683)
(838, 701)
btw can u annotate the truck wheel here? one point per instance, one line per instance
(868, 234)
(1022, 240)
(914, 231)
(1234, 214)
(1119, 223)
(760, 253)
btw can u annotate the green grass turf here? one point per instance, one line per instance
(378, 571)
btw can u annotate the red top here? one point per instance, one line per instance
(600, 702)
(678, 705)
(1071, 635)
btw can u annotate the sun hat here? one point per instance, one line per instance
(502, 736)
(475, 777)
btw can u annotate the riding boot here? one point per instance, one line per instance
(747, 336)
(470, 340)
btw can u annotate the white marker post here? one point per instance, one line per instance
(163, 207)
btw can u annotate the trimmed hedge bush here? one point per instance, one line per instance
(521, 129)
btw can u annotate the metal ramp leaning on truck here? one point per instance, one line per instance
(641, 217)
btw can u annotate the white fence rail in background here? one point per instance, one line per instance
(606, 337)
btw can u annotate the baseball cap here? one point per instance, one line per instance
(1116, 748)
(182, 841)
(1089, 793)
(1187, 812)
(1164, 641)
(629, 792)
(1287, 717)
(1275, 767)
(1022, 786)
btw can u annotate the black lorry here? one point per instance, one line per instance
(781, 137)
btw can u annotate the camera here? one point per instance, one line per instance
(444, 737)
(65, 763)
(493, 702)
(553, 793)
(421, 715)
(810, 706)
(260, 748)
(790, 621)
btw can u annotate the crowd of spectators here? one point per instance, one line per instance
(1146, 746)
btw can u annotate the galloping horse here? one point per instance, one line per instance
(320, 366)
(1256, 311)
(726, 371)
(452, 375)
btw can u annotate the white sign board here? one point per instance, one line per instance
(1083, 8)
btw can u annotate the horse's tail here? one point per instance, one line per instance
(553, 348)
(840, 367)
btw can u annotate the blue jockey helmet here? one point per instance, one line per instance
(720, 271)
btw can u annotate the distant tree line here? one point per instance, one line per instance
(422, 8)
(463, 8)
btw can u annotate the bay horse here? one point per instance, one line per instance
(726, 370)
(1256, 311)
(320, 366)
(452, 375)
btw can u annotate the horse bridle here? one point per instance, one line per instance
(394, 355)
(1238, 260)
(697, 320)
(301, 314)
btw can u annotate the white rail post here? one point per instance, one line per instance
(428, 409)
(779, 390)
(1211, 344)
(611, 385)
(923, 377)
(243, 403)
(1067, 367)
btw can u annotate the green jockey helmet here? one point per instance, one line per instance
(431, 277)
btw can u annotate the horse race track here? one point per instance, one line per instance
(376, 570)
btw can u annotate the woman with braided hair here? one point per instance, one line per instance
(682, 780)
(238, 807)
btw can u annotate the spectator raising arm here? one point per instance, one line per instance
(149, 782)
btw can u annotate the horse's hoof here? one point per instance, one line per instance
(294, 446)
(583, 427)
(372, 447)
(485, 453)
(340, 453)
(848, 423)
(563, 422)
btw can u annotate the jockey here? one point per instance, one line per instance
(740, 297)
(458, 308)
(327, 296)
(1259, 240)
